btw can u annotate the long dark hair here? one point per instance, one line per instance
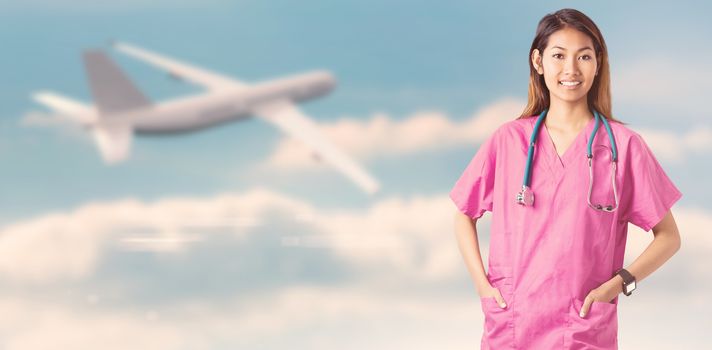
(599, 96)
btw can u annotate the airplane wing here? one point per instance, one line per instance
(180, 70)
(291, 121)
(114, 142)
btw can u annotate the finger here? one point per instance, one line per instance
(500, 300)
(585, 307)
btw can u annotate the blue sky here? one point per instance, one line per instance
(387, 57)
(453, 60)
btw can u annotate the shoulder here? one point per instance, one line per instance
(501, 136)
(625, 135)
(520, 127)
(632, 147)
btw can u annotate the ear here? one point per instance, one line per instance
(536, 61)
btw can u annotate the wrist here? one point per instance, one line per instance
(617, 284)
(628, 284)
(484, 288)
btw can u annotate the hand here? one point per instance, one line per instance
(492, 292)
(604, 293)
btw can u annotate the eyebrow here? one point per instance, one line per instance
(581, 49)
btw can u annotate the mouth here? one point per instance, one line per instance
(571, 84)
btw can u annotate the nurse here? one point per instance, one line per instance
(555, 267)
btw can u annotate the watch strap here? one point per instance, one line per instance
(628, 278)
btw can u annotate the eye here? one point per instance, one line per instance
(556, 55)
(586, 57)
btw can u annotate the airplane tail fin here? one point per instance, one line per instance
(112, 90)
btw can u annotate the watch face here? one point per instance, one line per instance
(630, 287)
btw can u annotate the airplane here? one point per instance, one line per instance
(122, 110)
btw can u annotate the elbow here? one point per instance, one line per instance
(674, 241)
(678, 241)
(670, 239)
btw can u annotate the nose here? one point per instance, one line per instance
(571, 66)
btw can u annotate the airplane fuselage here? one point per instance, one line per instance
(194, 113)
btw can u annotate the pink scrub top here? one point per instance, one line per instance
(545, 259)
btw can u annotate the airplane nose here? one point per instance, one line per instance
(328, 79)
(328, 76)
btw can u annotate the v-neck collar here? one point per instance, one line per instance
(557, 164)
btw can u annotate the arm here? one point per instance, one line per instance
(664, 245)
(468, 243)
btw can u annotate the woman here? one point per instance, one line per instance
(555, 260)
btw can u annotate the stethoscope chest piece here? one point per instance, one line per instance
(525, 197)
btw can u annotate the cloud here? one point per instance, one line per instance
(51, 266)
(71, 245)
(674, 147)
(321, 318)
(382, 136)
(36, 324)
(390, 234)
(68, 244)
(404, 283)
(675, 85)
(696, 243)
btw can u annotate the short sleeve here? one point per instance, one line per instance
(473, 191)
(649, 191)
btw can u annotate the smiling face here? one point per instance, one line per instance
(568, 64)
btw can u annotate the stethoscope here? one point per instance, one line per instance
(526, 197)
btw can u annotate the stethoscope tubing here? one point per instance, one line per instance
(528, 198)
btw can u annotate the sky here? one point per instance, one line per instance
(232, 237)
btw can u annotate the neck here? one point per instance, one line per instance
(568, 116)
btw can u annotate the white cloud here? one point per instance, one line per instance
(322, 316)
(673, 147)
(393, 252)
(696, 243)
(674, 85)
(699, 139)
(33, 324)
(391, 233)
(384, 243)
(69, 244)
(382, 136)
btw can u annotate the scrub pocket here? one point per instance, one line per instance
(598, 330)
(498, 332)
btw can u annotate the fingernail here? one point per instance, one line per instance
(582, 314)
(503, 305)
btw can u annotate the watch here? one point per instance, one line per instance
(628, 281)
